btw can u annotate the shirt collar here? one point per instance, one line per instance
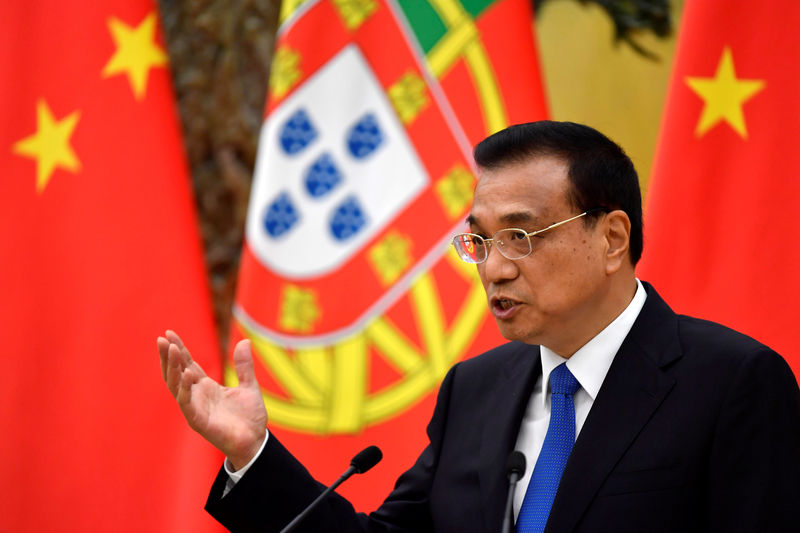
(591, 362)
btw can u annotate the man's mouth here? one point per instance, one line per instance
(505, 304)
(504, 307)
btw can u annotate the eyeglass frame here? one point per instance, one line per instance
(488, 240)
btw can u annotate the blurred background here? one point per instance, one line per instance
(106, 182)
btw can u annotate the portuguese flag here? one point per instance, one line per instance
(349, 290)
(721, 214)
(100, 253)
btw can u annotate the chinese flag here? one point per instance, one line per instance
(721, 225)
(99, 254)
(349, 290)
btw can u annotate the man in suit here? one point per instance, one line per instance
(669, 423)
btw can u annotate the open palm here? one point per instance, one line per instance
(233, 419)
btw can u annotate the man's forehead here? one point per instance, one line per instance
(542, 165)
(539, 176)
(528, 192)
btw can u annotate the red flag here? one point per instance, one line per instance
(100, 253)
(720, 223)
(355, 306)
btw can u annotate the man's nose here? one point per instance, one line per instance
(497, 267)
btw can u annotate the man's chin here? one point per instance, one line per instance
(512, 333)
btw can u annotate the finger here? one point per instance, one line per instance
(243, 362)
(184, 391)
(175, 339)
(163, 355)
(175, 366)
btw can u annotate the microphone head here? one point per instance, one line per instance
(515, 464)
(367, 458)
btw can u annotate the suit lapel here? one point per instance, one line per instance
(513, 390)
(632, 391)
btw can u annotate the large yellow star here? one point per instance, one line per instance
(137, 52)
(724, 95)
(49, 146)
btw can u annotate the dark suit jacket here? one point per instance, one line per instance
(696, 428)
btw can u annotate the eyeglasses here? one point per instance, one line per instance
(513, 243)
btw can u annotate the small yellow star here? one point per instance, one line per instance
(724, 95)
(136, 52)
(49, 146)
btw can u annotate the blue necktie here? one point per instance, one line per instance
(555, 451)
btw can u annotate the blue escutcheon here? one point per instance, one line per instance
(281, 215)
(297, 132)
(322, 176)
(348, 219)
(365, 136)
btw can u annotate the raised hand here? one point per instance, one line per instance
(233, 419)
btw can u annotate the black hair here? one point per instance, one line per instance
(600, 173)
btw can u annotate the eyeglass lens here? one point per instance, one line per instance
(512, 243)
(471, 248)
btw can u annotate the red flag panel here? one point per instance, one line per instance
(100, 253)
(720, 216)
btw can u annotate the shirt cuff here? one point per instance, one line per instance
(235, 475)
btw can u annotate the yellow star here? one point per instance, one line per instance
(724, 95)
(49, 146)
(136, 52)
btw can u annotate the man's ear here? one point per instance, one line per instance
(618, 237)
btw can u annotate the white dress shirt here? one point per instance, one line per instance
(589, 365)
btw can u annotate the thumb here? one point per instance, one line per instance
(243, 362)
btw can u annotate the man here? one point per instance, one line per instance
(669, 423)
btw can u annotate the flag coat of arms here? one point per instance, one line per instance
(355, 306)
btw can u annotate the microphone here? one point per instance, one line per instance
(515, 469)
(363, 461)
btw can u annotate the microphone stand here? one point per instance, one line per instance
(515, 468)
(363, 461)
(293, 524)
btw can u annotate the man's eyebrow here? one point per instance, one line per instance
(517, 217)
